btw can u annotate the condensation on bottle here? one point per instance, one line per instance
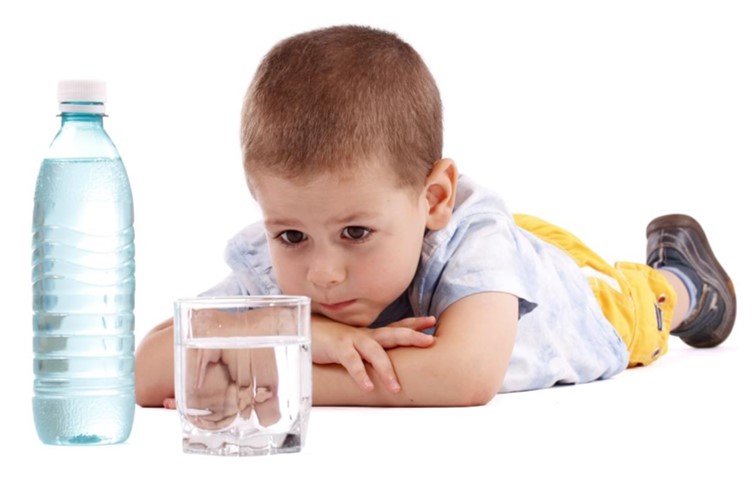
(83, 279)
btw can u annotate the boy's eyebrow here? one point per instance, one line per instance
(359, 215)
(352, 217)
(282, 222)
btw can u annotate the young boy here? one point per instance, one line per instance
(342, 145)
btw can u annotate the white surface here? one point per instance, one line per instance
(680, 429)
(596, 115)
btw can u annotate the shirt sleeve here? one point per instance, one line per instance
(248, 256)
(481, 251)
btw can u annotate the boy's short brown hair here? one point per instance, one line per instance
(329, 99)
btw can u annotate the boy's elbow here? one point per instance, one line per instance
(144, 398)
(147, 394)
(479, 387)
(480, 393)
(153, 367)
(148, 397)
(484, 396)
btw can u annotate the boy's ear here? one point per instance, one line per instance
(440, 191)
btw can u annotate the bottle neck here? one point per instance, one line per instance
(82, 135)
(87, 119)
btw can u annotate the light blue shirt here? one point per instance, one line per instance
(562, 336)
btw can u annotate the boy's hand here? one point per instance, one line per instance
(255, 373)
(212, 397)
(221, 384)
(334, 342)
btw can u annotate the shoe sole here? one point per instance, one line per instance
(722, 332)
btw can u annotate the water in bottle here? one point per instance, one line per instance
(83, 279)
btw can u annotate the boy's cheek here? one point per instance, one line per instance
(290, 278)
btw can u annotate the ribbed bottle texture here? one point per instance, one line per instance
(83, 289)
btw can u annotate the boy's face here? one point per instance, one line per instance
(351, 244)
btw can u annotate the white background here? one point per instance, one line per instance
(595, 115)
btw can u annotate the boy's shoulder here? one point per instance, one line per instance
(473, 195)
(480, 249)
(476, 209)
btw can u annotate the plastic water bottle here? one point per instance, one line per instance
(83, 279)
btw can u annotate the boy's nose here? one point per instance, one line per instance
(326, 271)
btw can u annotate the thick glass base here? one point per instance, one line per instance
(227, 443)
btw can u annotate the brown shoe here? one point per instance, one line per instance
(678, 241)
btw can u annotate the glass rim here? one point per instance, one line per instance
(243, 301)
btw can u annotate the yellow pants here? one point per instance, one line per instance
(636, 299)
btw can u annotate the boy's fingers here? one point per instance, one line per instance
(206, 356)
(352, 362)
(239, 362)
(199, 370)
(381, 362)
(266, 407)
(391, 337)
(415, 323)
(212, 424)
(264, 371)
(246, 402)
(215, 404)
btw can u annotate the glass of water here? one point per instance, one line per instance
(243, 374)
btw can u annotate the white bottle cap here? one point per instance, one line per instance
(85, 96)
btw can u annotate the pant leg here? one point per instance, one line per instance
(636, 299)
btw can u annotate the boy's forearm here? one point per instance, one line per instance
(422, 382)
(332, 385)
(465, 366)
(458, 369)
(426, 376)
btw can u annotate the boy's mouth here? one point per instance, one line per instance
(338, 306)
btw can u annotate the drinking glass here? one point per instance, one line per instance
(243, 374)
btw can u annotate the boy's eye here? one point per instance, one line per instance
(292, 237)
(355, 233)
